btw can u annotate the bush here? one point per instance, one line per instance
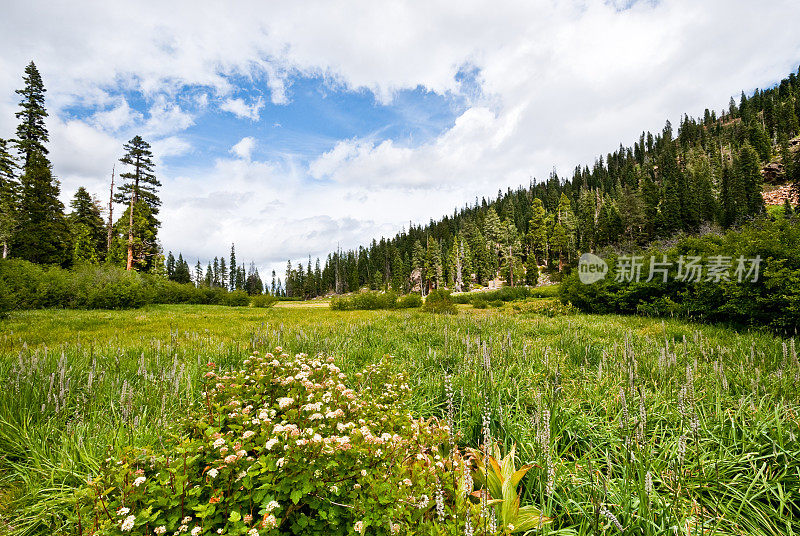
(409, 301)
(480, 303)
(773, 300)
(6, 303)
(496, 303)
(237, 298)
(365, 301)
(440, 302)
(263, 300)
(285, 446)
(30, 286)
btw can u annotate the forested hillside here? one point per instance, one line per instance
(705, 174)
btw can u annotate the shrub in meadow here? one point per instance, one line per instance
(263, 300)
(285, 446)
(409, 301)
(439, 301)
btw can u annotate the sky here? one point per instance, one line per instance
(288, 127)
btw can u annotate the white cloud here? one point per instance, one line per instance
(166, 118)
(243, 110)
(116, 118)
(244, 148)
(558, 84)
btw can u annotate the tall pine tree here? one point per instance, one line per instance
(88, 229)
(140, 188)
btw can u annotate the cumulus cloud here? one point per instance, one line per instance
(544, 84)
(241, 109)
(245, 147)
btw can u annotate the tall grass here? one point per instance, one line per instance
(659, 426)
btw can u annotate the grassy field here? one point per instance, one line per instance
(662, 426)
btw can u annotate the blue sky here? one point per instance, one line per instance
(290, 129)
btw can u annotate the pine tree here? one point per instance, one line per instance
(274, 288)
(32, 133)
(233, 268)
(215, 279)
(198, 274)
(531, 271)
(433, 265)
(181, 273)
(510, 249)
(223, 273)
(170, 265)
(9, 196)
(134, 239)
(749, 169)
(140, 188)
(537, 229)
(42, 234)
(87, 229)
(209, 280)
(253, 284)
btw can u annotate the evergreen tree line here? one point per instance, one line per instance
(35, 227)
(218, 275)
(33, 223)
(706, 174)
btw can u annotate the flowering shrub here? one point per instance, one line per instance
(284, 446)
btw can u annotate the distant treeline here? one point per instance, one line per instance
(707, 174)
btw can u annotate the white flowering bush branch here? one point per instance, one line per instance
(285, 446)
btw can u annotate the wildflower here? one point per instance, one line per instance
(468, 483)
(127, 525)
(269, 521)
(247, 519)
(213, 473)
(648, 483)
(272, 505)
(359, 527)
(139, 481)
(285, 402)
(186, 519)
(279, 463)
(196, 530)
(231, 459)
(219, 442)
(271, 443)
(612, 518)
(439, 496)
(363, 472)
(123, 511)
(252, 532)
(248, 434)
(468, 529)
(395, 528)
(160, 530)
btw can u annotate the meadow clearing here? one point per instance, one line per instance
(631, 425)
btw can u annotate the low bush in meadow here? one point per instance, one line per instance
(32, 286)
(263, 300)
(365, 301)
(772, 300)
(285, 446)
(439, 301)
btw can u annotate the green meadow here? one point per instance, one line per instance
(631, 425)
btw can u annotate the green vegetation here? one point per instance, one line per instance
(439, 302)
(660, 423)
(365, 301)
(773, 300)
(507, 294)
(30, 286)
